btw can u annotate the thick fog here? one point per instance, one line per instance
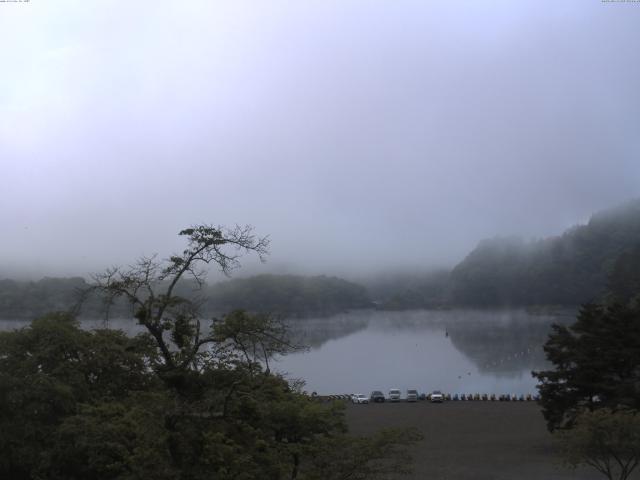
(360, 135)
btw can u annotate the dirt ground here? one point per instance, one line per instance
(472, 440)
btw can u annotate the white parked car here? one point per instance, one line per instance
(436, 396)
(394, 395)
(359, 398)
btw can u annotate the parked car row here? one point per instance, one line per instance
(395, 396)
(437, 396)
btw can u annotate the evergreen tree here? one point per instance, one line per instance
(596, 364)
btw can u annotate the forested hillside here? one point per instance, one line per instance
(409, 290)
(567, 270)
(288, 294)
(26, 300)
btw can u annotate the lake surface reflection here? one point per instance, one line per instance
(456, 351)
(453, 351)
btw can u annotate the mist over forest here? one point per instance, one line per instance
(360, 138)
(567, 270)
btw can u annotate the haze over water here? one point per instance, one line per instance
(453, 351)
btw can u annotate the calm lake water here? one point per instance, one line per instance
(454, 351)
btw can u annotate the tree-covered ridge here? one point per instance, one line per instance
(408, 291)
(567, 270)
(28, 300)
(288, 295)
(573, 268)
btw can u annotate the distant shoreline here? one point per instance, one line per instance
(541, 310)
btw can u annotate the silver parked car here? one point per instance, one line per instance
(394, 395)
(412, 395)
(359, 398)
(436, 396)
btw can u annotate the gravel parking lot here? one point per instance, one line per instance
(472, 440)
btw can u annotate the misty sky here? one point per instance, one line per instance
(359, 135)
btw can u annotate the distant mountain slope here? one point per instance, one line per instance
(408, 291)
(567, 270)
(288, 295)
(19, 300)
(282, 294)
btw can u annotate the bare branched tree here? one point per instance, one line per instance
(149, 286)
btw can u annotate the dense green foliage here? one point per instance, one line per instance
(179, 402)
(596, 364)
(606, 440)
(567, 270)
(47, 372)
(289, 295)
(76, 404)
